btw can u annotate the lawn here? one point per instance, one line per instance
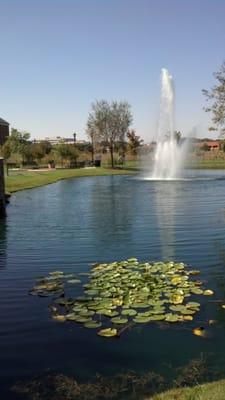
(208, 391)
(19, 180)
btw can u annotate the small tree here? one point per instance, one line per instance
(216, 96)
(109, 122)
(134, 141)
(66, 152)
(177, 135)
(205, 147)
(92, 134)
(16, 143)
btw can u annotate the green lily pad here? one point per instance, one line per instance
(119, 320)
(193, 304)
(129, 312)
(196, 290)
(157, 317)
(81, 319)
(121, 289)
(107, 313)
(171, 318)
(71, 317)
(92, 324)
(141, 319)
(177, 298)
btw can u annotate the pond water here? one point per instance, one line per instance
(73, 223)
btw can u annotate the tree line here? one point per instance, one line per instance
(108, 130)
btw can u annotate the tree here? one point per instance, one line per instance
(67, 152)
(16, 143)
(177, 135)
(205, 147)
(216, 96)
(108, 123)
(6, 152)
(91, 130)
(134, 141)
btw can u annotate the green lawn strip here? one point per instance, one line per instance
(208, 391)
(207, 164)
(29, 179)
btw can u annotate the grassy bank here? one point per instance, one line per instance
(208, 164)
(208, 391)
(19, 180)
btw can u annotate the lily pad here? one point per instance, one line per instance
(92, 324)
(108, 332)
(208, 292)
(177, 298)
(156, 317)
(58, 317)
(119, 320)
(193, 304)
(147, 292)
(129, 312)
(171, 318)
(196, 290)
(141, 320)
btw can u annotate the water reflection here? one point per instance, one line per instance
(165, 204)
(3, 242)
(110, 210)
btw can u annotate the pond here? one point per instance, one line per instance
(76, 222)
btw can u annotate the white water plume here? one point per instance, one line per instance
(169, 153)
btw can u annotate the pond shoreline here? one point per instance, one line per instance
(23, 180)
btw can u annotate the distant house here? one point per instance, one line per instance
(210, 145)
(4, 131)
(213, 144)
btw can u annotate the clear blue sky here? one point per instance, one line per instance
(58, 56)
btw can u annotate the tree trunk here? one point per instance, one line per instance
(111, 153)
(92, 150)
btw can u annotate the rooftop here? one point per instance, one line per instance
(3, 122)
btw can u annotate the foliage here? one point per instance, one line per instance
(108, 123)
(216, 96)
(134, 141)
(67, 152)
(177, 135)
(205, 147)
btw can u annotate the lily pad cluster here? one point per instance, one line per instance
(120, 294)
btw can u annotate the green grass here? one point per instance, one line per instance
(208, 164)
(20, 180)
(207, 391)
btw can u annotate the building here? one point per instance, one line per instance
(210, 145)
(4, 131)
(58, 139)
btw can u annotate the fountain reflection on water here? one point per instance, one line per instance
(170, 152)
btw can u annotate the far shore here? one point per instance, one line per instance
(29, 179)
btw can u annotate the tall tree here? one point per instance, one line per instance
(108, 123)
(216, 98)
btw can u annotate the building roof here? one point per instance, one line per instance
(3, 122)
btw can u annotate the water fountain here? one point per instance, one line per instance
(169, 153)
